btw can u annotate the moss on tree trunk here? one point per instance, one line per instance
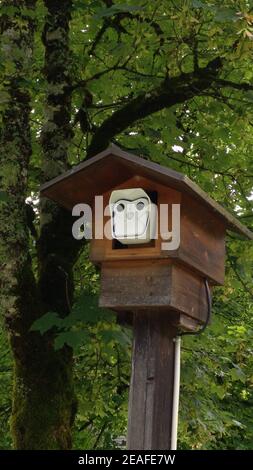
(44, 403)
(43, 407)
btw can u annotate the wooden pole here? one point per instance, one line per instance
(151, 389)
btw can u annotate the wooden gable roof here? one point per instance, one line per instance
(112, 167)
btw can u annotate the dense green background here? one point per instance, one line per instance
(214, 136)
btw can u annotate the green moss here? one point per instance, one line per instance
(43, 404)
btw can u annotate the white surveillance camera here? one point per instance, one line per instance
(133, 216)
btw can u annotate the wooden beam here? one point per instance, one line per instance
(151, 390)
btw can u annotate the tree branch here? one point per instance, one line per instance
(171, 91)
(237, 86)
(115, 23)
(240, 279)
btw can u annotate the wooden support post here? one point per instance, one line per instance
(151, 390)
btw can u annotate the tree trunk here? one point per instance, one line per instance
(44, 403)
(57, 249)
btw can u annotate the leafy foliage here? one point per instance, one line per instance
(84, 314)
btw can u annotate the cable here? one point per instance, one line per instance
(209, 308)
(66, 287)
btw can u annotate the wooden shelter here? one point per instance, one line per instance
(162, 290)
(170, 281)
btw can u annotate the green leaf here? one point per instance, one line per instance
(46, 322)
(226, 14)
(9, 10)
(237, 374)
(238, 424)
(74, 339)
(119, 336)
(113, 10)
(198, 4)
(4, 197)
(249, 96)
(86, 309)
(29, 12)
(4, 97)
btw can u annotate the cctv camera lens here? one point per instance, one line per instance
(120, 207)
(140, 205)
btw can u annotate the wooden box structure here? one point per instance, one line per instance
(163, 290)
(137, 277)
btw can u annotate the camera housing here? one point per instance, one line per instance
(133, 216)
